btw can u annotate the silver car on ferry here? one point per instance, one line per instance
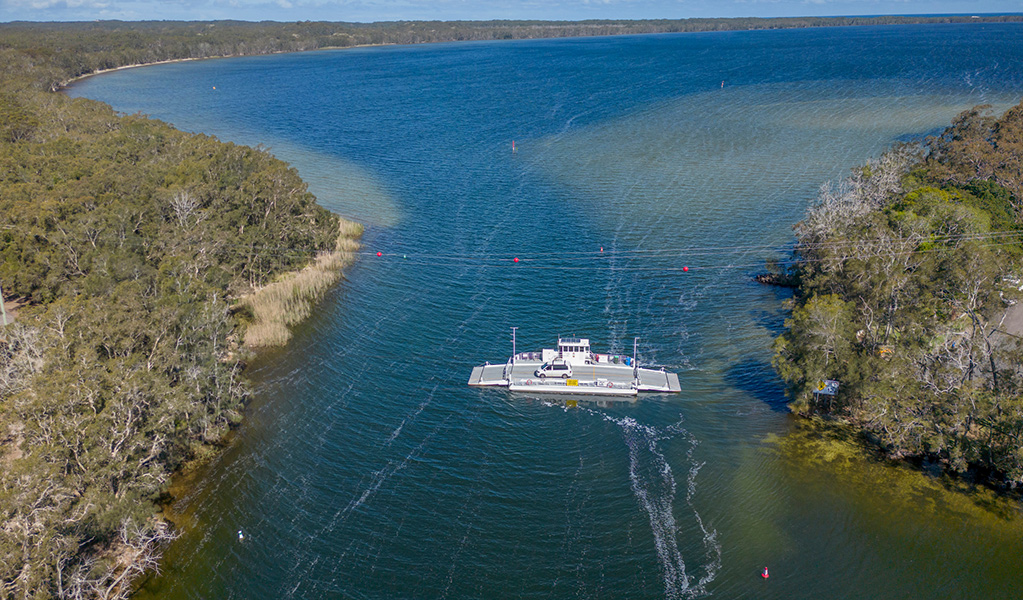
(554, 368)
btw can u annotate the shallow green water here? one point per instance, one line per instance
(366, 467)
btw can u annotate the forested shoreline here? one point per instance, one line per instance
(61, 52)
(145, 255)
(904, 274)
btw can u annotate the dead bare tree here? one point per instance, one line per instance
(21, 355)
(881, 179)
(137, 552)
(949, 365)
(185, 205)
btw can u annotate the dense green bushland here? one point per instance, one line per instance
(131, 242)
(905, 273)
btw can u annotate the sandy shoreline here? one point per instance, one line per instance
(69, 82)
(73, 80)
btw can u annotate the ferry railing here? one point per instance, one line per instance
(529, 356)
(581, 384)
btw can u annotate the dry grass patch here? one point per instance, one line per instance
(10, 445)
(285, 303)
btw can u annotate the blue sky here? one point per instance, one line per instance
(392, 10)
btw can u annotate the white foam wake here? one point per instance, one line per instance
(653, 483)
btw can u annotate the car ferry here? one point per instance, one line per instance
(573, 368)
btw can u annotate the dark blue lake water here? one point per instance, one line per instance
(367, 468)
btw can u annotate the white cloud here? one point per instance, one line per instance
(55, 4)
(388, 10)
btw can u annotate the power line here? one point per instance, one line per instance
(633, 252)
(633, 259)
(569, 262)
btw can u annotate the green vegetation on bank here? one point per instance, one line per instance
(908, 273)
(132, 243)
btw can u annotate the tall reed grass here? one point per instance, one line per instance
(283, 304)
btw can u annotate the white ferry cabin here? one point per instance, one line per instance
(574, 351)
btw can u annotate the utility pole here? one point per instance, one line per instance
(635, 365)
(3, 309)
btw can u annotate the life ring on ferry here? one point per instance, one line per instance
(529, 382)
(610, 384)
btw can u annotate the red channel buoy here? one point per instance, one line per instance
(516, 259)
(380, 253)
(765, 574)
(685, 269)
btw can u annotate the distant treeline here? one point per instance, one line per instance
(62, 51)
(905, 272)
(132, 244)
